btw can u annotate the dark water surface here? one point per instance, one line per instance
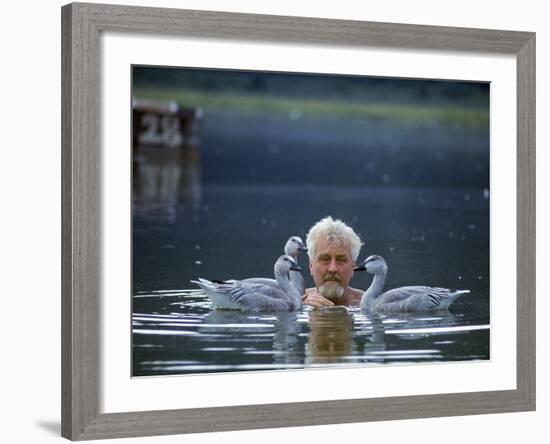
(436, 237)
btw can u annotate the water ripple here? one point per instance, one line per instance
(178, 332)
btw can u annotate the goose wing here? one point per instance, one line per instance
(257, 296)
(296, 279)
(263, 281)
(413, 298)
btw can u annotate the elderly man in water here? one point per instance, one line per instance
(333, 248)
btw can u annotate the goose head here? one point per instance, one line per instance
(373, 264)
(285, 263)
(294, 245)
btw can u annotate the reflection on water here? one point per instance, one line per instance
(330, 335)
(178, 332)
(162, 178)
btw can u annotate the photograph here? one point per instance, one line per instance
(299, 220)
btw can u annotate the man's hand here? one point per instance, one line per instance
(313, 298)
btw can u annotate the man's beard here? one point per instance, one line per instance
(332, 290)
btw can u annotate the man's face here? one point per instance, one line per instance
(331, 269)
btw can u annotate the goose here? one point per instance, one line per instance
(294, 245)
(256, 296)
(403, 299)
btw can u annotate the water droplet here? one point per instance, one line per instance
(467, 197)
(486, 193)
(459, 278)
(295, 114)
(198, 262)
(369, 166)
(197, 247)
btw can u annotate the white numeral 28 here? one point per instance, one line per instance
(160, 130)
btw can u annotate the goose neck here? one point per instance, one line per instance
(292, 254)
(374, 290)
(283, 279)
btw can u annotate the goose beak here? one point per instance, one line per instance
(295, 268)
(302, 248)
(360, 268)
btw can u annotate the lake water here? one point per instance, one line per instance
(436, 237)
(415, 191)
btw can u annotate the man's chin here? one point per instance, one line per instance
(332, 290)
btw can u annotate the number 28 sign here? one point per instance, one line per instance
(165, 126)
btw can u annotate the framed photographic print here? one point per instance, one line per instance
(203, 149)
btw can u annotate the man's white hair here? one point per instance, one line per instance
(337, 233)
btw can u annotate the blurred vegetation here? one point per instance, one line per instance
(313, 95)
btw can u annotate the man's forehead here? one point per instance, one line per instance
(325, 246)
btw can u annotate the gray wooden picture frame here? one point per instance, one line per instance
(81, 234)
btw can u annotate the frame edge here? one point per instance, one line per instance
(66, 222)
(526, 221)
(81, 241)
(81, 245)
